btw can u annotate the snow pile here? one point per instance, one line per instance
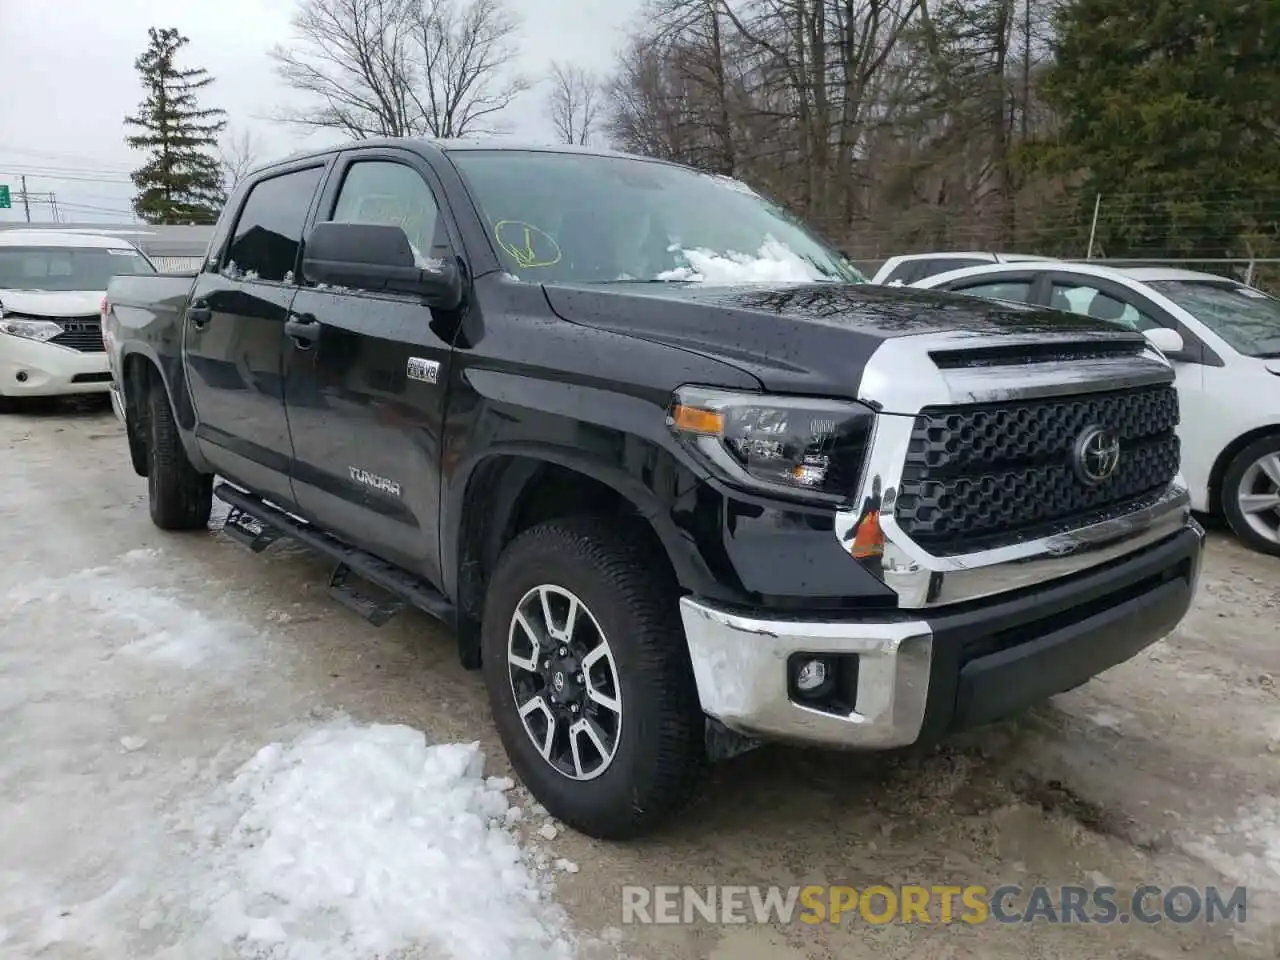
(360, 841)
(774, 262)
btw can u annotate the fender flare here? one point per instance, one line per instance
(522, 462)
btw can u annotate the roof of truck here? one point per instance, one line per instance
(459, 146)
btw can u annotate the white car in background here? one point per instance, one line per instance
(52, 283)
(1226, 353)
(908, 268)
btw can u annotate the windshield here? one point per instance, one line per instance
(1247, 319)
(583, 218)
(67, 268)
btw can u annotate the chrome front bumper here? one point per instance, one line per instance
(914, 672)
(741, 667)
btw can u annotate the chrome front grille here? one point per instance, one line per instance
(80, 333)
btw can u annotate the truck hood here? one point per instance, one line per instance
(799, 338)
(51, 303)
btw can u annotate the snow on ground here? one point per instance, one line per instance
(161, 627)
(774, 262)
(1246, 847)
(134, 827)
(358, 841)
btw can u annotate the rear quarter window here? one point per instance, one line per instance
(931, 268)
(906, 272)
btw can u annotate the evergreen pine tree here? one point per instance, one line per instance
(1168, 109)
(181, 182)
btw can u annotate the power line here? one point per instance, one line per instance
(84, 168)
(77, 178)
(73, 157)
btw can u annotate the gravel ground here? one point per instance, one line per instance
(139, 670)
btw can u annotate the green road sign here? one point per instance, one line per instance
(4, 196)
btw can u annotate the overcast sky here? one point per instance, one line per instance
(67, 76)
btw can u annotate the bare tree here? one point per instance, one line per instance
(888, 124)
(402, 68)
(238, 154)
(466, 52)
(574, 103)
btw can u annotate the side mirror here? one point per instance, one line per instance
(369, 256)
(1165, 340)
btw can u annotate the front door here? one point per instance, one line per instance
(365, 390)
(234, 337)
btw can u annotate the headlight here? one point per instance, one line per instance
(29, 329)
(807, 447)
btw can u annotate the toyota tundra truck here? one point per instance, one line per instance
(679, 479)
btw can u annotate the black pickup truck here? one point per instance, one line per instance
(679, 479)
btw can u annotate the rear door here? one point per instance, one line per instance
(366, 395)
(234, 335)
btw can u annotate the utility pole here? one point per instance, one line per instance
(53, 205)
(26, 204)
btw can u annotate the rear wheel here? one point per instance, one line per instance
(181, 496)
(1251, 495)
(589, 678)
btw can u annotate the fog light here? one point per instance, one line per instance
(811, 675)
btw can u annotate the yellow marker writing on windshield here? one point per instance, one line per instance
(526, 244)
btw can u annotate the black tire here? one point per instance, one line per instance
(181, 496)
(1231, 479)
(661, 748)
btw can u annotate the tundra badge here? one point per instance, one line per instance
(367, 479)
(428, 371)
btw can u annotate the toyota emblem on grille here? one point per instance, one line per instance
(1097, 455)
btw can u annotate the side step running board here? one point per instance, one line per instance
(257, 525)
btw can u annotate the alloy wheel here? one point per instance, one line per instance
(1259, 496)
(565, 682)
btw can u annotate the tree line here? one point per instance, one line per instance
(1051, 126)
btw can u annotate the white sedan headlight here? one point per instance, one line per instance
(29, 329)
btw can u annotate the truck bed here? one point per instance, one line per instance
(148, 308)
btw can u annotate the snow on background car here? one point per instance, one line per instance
(131, 834)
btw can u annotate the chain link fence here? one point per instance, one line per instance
(1233, 234)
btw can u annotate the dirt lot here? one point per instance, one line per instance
(139, 670)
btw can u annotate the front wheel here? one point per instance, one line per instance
(589, 678)
(1251, 495)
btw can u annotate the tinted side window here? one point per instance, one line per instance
(390, 194)
(265, 243)
(1019, 290)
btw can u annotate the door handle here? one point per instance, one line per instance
(199, 314)
(303, 329)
